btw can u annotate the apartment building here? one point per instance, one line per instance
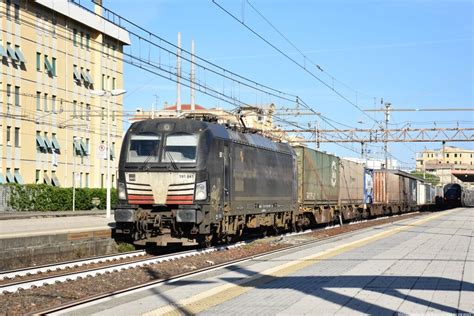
(445, 162)
(56, 55)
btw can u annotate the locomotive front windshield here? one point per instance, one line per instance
(144, 148)
(180, 147)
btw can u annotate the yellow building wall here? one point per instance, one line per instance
(77, 112)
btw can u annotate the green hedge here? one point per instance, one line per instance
(41, 197)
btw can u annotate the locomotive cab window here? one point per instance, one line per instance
(144, 148)
(180, 147)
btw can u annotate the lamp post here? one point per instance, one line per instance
(74, 173)
(108, 94)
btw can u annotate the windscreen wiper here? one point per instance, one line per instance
(173, 163)
(147, 160)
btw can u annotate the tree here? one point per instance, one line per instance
(428, 177)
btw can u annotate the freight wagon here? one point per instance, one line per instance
(318, 185)
(395, 192)
(352, 190)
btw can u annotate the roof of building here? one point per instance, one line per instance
(86, 17)
(184, 107)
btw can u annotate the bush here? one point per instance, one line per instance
(41, 197)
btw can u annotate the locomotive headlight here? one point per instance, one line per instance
(201, 191)
(122, 192)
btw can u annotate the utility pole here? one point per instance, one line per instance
(155, 106)
(387, 118)
(385, 146)
(193, 78)
(178, 76)
(317, 134)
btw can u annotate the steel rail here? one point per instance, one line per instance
(97, 297)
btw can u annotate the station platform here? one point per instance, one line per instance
(31, 238)
(423, 265)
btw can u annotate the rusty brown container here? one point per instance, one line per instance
(388, 187)
(318, 177)
(351, 180)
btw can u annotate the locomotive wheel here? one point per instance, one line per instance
(205, 241)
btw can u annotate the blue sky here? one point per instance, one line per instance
(414, 54)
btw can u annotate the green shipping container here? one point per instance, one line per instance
(318, 177)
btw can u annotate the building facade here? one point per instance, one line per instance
(55, 56)
(445, 162)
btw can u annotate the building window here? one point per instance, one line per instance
(17, 96)
(88, 39)
(53, 104)
(53, 66)
(112, 151)
(113, 180)
(9, 93)
(460, 155)
(38, 61)
(447, 155)
(455, 155)
(18, 177)
(102, 180)
(17, 12)
(88, 112)
(102, 113)
(45, 104)
(103, 82)
(7, 9)
(87, 146)
(17, 137)
(74, 109)
(81, 106)
(9, 137)
(38, 101)
(48, 66)
(74, 37)
(113, 83)
(53, 25)
(82, 39)
(113, 117)
(55, 143)
(40, 144)
(54, 179)
(87, 180)
(37, 176)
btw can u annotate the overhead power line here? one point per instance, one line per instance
(303, 67)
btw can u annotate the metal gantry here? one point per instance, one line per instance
(398, 135)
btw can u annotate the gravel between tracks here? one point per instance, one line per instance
(36, 299)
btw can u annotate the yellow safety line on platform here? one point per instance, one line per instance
(220, 294)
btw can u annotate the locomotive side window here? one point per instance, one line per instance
(144, 148)
(180, 147)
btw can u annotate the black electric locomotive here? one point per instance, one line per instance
(452, 195)
(186, 181)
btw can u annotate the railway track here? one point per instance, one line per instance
(12, 274)
(103, 275)
(13, 286)
(79, 303)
